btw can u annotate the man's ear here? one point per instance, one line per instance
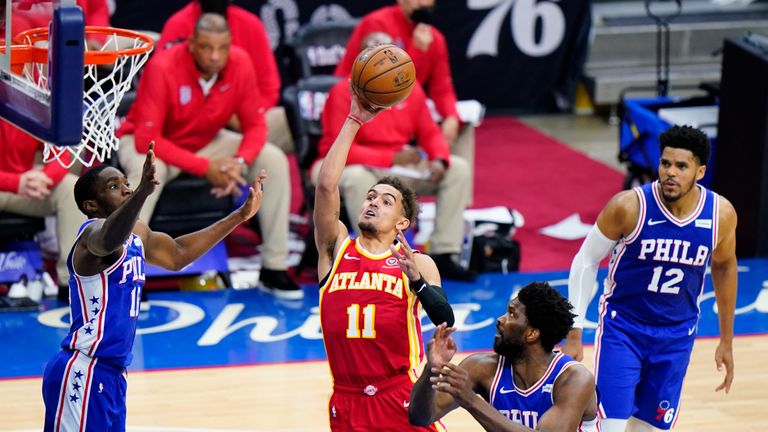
(90, 206)
(403, 224)
(532, 335)
(700, 172)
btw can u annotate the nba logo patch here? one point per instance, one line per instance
(185, 95)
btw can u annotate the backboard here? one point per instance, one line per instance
(48, 107)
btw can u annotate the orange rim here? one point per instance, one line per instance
(25, 52)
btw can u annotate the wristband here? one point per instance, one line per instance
(355, 119)
(420, 283)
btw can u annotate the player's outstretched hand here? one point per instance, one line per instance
(454, 380)
(362, 109)
(441, 348)
(255, 194)
(406, 260)
(148, 182)
(724, 357)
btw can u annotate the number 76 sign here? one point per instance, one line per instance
(523, 19)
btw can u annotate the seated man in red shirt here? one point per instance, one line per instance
(248, 33)
(384, 145)
(186, 96)
(38, 191)
(408, 25)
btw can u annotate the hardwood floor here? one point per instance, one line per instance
(293, 397)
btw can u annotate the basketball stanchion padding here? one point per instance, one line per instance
(107, 74)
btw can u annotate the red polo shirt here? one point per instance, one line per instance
(18, 150)
(170, 108)
(248, 33)
(378, 140)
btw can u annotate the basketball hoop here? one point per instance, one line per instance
(125, 50)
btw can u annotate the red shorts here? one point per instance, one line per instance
(381, 406)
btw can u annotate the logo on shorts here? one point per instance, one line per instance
(101, 387)
(370, 390)
(665, 412)
(333, 411)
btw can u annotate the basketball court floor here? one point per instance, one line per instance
(240, 360)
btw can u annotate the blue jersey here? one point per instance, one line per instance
(656, 273)
(527, 406)
(104, 307)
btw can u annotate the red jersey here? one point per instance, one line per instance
(370, 318)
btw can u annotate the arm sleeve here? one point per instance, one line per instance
(9, 182)
(150, 109)
(440, 83)
(581, 280)
(56, 171)
(434, 301)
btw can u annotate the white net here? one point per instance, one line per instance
(104, 88)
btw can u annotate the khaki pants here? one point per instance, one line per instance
(275, 206)
(452, 195)
(61, 202)
(278, 132)
(464, 147)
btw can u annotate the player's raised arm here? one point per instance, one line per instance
(618, 218)
(327, 199)
(427, 405)
(176, 253)
(103, 238)
(725, 279)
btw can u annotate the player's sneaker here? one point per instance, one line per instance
(279, 284)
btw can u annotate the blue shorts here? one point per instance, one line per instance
(640, 368)
(83, 394)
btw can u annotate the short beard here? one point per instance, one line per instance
(668, 198)
(367, 228)
(511, 351)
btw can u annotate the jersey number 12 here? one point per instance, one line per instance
(675, 275)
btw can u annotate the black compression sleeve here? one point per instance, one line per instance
(434, 301)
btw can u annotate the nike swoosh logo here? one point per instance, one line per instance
(691, 330)
(652, 222)
(350, 257)
(505, 391)
(406, 404)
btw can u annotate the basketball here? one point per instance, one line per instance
(383, 75)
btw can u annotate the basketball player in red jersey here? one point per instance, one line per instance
(370, 295)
